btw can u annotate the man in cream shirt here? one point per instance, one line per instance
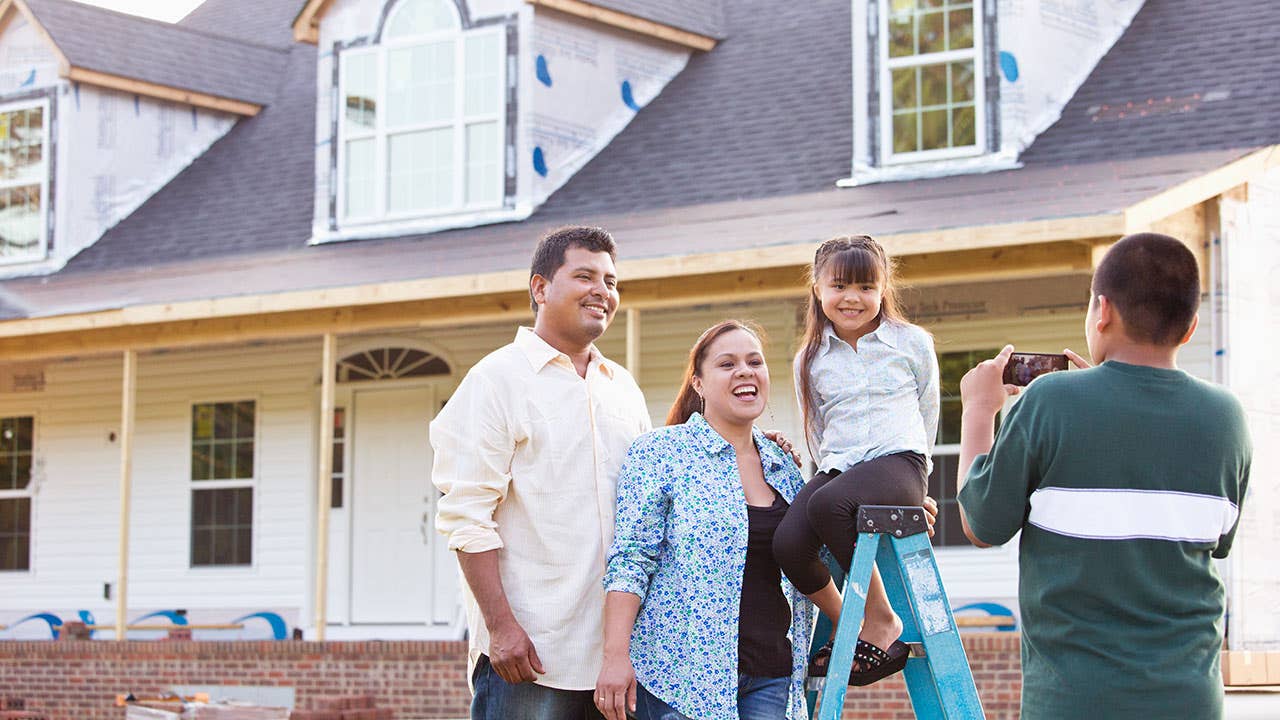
(527, 453)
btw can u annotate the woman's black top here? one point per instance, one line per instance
(764, 616)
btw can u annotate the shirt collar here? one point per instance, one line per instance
(539, 353)
(714, 443)
(888, 332)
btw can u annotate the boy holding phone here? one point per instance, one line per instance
(1125, 479)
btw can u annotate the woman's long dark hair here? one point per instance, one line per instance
(687, 400)
(854, 259)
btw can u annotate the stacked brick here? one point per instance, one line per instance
(12, 708)
(350, 707)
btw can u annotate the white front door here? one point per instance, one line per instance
(400, 571)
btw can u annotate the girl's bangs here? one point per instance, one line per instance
(855, 266)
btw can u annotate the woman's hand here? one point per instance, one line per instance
(781, 441)
(616, 688)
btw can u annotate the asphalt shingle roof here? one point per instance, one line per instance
(161, 53)
(269, 22)
(755, 122)
(703, 17)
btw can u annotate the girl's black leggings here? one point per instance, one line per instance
(825, 512)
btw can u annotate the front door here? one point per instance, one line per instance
(400, 571)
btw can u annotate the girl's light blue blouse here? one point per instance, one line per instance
(681, 545)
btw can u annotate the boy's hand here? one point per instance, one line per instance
(982, 389)
(1077, 360)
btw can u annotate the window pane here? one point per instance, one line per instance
(962, 82)
(335, 493)
(902, 35)
(418, 17)
(244, 459)
(222, 527)
(224, 420)
(339, 423)
(202, 508)
(933, 85)
(202, 547)
(949, 422)
(360, 178)
(23, 428)
(22, 144)
(420, 84)
(483, 66)
(904, 88)
(421, 170)
(361, 89)
(222, 459)
(244, 419)
(960, 29)
(933, 130)
(21, 471)
(20, 218)
(202, 422)
(202, 461)
(932, 33)
(484, 163)
(904, 133)
(963, 128)
(15, 534)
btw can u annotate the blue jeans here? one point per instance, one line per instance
(496, 699)
(758, 699)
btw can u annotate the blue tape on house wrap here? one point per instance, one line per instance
(539, 162)
(31, 79)
(1009, 66)
(543, 73)
(628, 98)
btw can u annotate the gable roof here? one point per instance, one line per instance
(105, 47)
(259, 21)
(741, 150)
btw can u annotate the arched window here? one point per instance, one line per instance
(390, 363)
(422, 130)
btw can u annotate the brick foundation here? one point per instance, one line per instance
(80, 680)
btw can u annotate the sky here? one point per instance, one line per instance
(168, 10)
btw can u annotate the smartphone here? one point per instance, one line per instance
(1025, 367)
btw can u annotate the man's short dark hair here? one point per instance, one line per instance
(549, 255)
(1153, 282)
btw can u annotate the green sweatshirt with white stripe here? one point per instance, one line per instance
(1125, 481)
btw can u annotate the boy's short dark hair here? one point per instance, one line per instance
(1154, 283)
(549, 255)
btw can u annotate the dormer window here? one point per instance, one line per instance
(24, 181)
(422, 126)
(932, 91)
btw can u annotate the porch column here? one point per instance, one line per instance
(633, 343)
(128, 400)
(324, 482)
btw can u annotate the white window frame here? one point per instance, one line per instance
(28, 492)
(977, 54)
(233, 484)
(44, 179)
(459, 123)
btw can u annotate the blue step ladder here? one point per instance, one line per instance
(937, 673)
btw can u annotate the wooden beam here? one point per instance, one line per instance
(625, 21)
(1141, 215)
(633, 342)
(1190, 225)
(324, 481)
(306, 26)
(163, 92)
(128, 404)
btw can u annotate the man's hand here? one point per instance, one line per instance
(512, 654)
(781, 441)
(930, 512)
(616, 688)
(982, 389)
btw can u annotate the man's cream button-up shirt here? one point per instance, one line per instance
(527, 454)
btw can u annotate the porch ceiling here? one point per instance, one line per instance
(1020, 223)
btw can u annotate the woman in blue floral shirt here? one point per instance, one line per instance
(699, 622)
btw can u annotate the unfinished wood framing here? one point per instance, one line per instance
(1141, 215)
(324, 481)
(633, 342)
(163, 92)
(128, 406)
(306, 27)
(632, 23)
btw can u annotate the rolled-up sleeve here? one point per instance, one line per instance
(643, 503)
(473, 446)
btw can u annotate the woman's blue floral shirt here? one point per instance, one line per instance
(681, 545)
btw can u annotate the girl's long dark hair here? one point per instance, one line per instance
(687, 400)
(854, 259)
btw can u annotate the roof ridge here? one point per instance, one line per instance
(163, 24)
